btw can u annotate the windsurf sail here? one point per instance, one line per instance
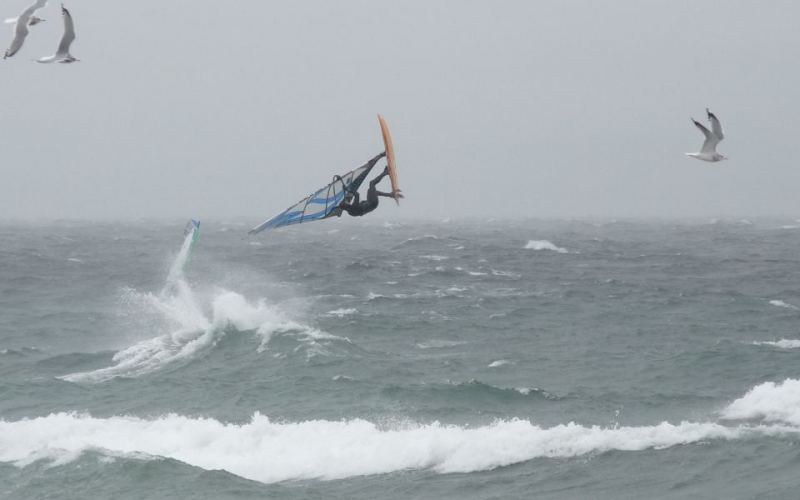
(190, 234)
(321, 204)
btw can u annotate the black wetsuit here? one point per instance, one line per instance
(356, 207)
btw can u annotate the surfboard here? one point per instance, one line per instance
(387, 142)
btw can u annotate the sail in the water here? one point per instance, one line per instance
(190, 234)
(321, 204)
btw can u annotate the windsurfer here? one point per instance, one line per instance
(354, 206)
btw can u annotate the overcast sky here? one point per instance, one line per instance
(499, 108)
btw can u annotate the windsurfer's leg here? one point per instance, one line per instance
(372, 194)
(374, 182)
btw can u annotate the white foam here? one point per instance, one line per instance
(507, 274)
(453, 291)
(341, 313)
(269, 452)
(439, 344)
(417, 239)
(769, 402)
(544, 245)
(186, 330)
(75, 259)
(780, 303)
(781, 344)
(191, 332)
(435, 258)
(498, 363)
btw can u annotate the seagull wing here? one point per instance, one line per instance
(27, 13)
(715, 125)
(69, 34)
(20, 32)
(710, 144)
(21, 27)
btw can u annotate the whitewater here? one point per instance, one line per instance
(447, 359)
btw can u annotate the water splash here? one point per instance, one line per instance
(191, 326)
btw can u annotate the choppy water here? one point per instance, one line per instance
(473, 359)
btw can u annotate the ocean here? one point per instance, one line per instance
(363, 359)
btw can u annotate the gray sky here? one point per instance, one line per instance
(497, 108)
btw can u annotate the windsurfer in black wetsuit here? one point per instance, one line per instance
(355, 207)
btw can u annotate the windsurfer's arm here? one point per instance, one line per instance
(389, 195)
(375, 160)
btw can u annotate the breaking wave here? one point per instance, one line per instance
(267, 451)
(342, 312)
(190, 325)
(780, 303)
(768, 402)
(544, 245)
(781, 344)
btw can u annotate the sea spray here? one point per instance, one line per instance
(187, 330)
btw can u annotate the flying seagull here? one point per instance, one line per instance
(21, 26)
(709, 150)
(62, 54)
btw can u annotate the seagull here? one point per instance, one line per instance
(62, 54)
(709, 150)
(21, 26)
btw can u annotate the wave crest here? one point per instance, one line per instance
(266, 451)
(544, 245)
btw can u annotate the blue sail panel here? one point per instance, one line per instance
(320, 204)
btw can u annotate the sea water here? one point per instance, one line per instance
(428, 359)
